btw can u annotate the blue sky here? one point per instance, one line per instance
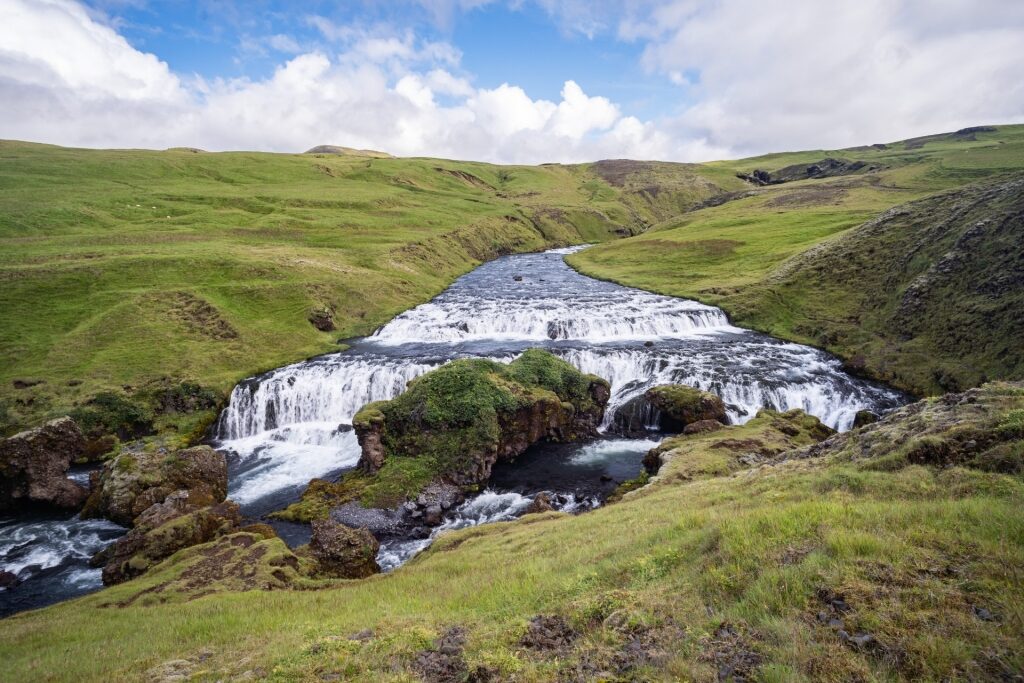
(512, 81)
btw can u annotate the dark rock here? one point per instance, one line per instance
(433, 515)
(133, 481)
(342, 552)
(648, 344)
(983, 614)
(703, 426)
(518, 278)
(8, 580)
(33, 465)
(679, 405)
(540, 503)
(162, 530)
(864, 417)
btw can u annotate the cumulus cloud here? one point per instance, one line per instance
(71, 80)
(766, 77)
(752, 77)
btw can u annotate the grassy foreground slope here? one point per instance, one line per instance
(890, 553)
(747, 255)
(123, 270)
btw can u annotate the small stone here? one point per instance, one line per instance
(432, 515)
(983, 614)
(517, 278)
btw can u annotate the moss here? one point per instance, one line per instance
(627, 486)
(113, 413)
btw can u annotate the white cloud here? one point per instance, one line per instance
(810, 74)
(752, 77)
(70, 80)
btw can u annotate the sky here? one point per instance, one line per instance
(507, 81)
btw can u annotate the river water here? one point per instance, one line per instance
(287, 426)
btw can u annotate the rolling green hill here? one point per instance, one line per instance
(132, 271)
(752, 256)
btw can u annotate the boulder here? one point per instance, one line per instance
(540, 503)
(680, 405)
(162, 530)
(34, 463)
(133, 481)
(703, 426)
(343, 552)
(453, 424)
(8, 579)
(864, 417)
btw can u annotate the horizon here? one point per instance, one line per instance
(523, 82)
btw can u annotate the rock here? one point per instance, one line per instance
(681, 405)
(134, 481)
(548, 634)
(33, 465)
(864, 417)
(162, 530)
(648, 344)
(8, 580)
(703, 426)
(432, 516)
(467, 415)
(517, 278)
(374, 520)
(541, 503)
(983, 614)
(342, 552)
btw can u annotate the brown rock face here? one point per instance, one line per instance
(162, 530)
(342, 552)
(134, 481)
(33, 465)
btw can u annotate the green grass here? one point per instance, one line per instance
(751, 257)
(709, 541)
(125, 269)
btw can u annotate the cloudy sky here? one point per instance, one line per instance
(520, 81)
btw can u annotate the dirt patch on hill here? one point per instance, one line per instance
(198, 315)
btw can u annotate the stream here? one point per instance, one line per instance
(285, 427)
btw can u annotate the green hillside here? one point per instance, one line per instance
(133, 271)
(750, 256)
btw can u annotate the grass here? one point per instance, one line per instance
(912, 553)
(734, 255)
(123, 270)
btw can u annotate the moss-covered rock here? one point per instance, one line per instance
(134, 480)
(681, 405)
(162, 530)
(342, 552)
(452, 424)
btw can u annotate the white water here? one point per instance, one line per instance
(283, 427)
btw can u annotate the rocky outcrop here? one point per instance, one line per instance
(162, 530)
(458, 420)
(681, 405)
(342, 552)
(133, 481)
(34, 464)
(826, 168)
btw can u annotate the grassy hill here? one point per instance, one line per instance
(750, 256)
(131, 271)
(892, 553)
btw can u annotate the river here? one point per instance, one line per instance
(290, 425)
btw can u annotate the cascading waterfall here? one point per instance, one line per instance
(292, 424)
(288, 426)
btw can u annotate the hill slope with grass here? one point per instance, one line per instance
(760, 552)
(134, 272)
(750, 252)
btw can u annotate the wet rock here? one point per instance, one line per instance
(133, 481)
(433, 515)
(703, 426)
(517, 278)
(648, 344)
(162, 530)
(34, 463)
(8, 580)
(374, 520)
(680, 405)
(342, 552)
(540, 503)
(864, 417)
